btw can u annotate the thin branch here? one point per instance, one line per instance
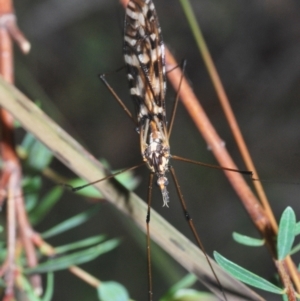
(282, 271)
(11, 174)
(11, 243)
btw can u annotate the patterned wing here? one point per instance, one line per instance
(144, 57)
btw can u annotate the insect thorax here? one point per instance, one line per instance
(157, 154)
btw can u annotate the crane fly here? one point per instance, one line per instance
(144, 57)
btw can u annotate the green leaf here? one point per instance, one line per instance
(3, 251)
(46, 204)
(50, 288)
(181, 291)
(26, 286)
(38, 155)
(32, 183)
(76, 258)
(295, 250)
(80, 244)
(185, 282)
(31, 188)
(246, 276)
(297, 228)
(247, 240)
(128, 179)
(112, 291)
(72, 222)
(89, 191)
(31, 201)
(285, 298)
(27, 142)
(188, 294)
(286, 233)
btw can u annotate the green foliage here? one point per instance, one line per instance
(297, 229)
(72, 222)
(79, 244)
(45, 204)
(187, 294)
(89, 191)
(181, 291)
(26, 286)
(112, 291)
(127, 179)
(288, 229)
(245, 275)
(247, 240)
(75, 258)
(38, 156)
(31, 187)
(36, 159)
(286, 233)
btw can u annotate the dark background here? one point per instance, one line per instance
(256, 48)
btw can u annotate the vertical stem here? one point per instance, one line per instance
(7, 152)
(11, 174)
(290, 292)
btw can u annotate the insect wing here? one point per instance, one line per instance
(144, 57)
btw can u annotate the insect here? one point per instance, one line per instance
(144, 55)
(146, 73)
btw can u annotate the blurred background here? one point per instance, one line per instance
(256, 48)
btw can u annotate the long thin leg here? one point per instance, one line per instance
(118, 99)
(174, 109)
(193, 229)
(244, 172)
(74, 189)
(149, 199)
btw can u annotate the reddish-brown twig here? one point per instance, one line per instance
(11, 174)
